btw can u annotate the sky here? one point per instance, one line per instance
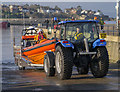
(59, 0)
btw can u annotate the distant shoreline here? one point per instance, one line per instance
(108, 8)
(36, 21)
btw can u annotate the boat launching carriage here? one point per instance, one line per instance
(30, 53)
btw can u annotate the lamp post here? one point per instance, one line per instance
(23, 12)
(24, 19)
(117, 13)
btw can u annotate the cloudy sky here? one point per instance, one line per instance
(59, 0)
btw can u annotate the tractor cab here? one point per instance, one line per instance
(87, 28)
(77, 31)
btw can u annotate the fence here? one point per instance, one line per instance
(110, 29)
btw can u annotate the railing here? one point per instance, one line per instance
(110, 29)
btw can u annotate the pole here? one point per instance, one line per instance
(117, 14)
(23, 20)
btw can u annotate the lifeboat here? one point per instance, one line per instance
(32, 50)
(36, 52)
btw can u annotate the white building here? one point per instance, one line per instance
(98, 14)
(84, 12)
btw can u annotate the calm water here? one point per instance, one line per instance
(108, 8)
(7, 45)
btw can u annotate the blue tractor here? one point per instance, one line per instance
(77, 44)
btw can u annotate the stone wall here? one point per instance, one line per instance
(113, 47)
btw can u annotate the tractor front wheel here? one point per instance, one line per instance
(100, 63)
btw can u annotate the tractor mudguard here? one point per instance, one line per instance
(65, 43)
(99, 42)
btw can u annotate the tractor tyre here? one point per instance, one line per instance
(63, 62)
(100, 63)
(49, 70)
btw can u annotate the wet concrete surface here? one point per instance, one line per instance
(35, 79)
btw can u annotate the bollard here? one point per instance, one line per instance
(107, 30)
(113, 30)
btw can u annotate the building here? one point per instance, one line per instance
(70, 11)
(84, 12)
(48, 10)
(98, 14)
(14, 8)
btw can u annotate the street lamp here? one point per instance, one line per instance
(23, 12)
(117, 13)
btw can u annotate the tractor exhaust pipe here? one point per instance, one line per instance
(86, 44)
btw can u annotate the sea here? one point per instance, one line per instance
(108, 8)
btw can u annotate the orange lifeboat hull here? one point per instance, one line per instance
(36, 53)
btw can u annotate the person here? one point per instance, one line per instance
(40, 35)
(47, 23)
(95, 18)
(78, 35)
(72, 19)
(52, 23)
(66, 19)
(101, 23)
(56, 22)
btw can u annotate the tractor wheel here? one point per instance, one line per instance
(63, 62)
(49, 70)
(100, 63)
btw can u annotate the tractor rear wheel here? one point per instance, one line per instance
(63, 62)
(100, 63)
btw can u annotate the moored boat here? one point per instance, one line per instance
(4, 24)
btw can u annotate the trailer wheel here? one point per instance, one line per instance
(49, 65)
(100, 63)
(63, 62)
(21, 68)
(20, 65)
